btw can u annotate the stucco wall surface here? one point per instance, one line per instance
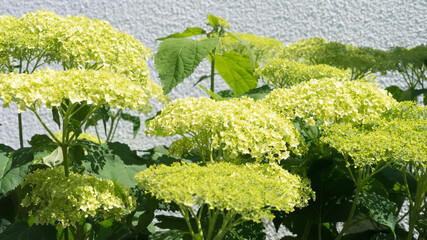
(374, 23)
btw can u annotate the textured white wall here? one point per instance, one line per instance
(375, 23)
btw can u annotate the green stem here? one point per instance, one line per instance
(184, 211)
(213, 71)
(353, 206)
(212, 222)
(420, 196)
(306, 230)
(21, 138)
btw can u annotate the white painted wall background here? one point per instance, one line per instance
(374, 23)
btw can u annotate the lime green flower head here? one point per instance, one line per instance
(228, 129)
(329, 100)
(51, 87)
(397, 140)
(66, 201)
(281, 73)
(77, 42)
(263, 48)
(252, 190)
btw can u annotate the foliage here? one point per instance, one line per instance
(263, 48)
(359, 60)
(66, 200)
(179, 56)
(227, 130)
(237, 192)
(331, 101)
(281, 73)
(388, 141)
(51, 87)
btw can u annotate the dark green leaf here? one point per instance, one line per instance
(172, 222)
(55, 115)
(14, 165)
(178, 57)
(382, 210)
(237, 72)
(4, 224)
(167, 235)
(201, 79)
(212, 94)
(136, 121)
(189, 32)
(40, 142)
(22, 231)
(114, 161)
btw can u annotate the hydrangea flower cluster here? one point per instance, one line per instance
(252, 190)
(50, 87)
(65, 201)
(75, 42)
(398, 140)
(231, 128)
(281, 73)
(330, 100)
(264, 48)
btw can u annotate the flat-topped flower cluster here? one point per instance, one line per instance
(50, 87)
(231, 128)
(252, 190)
(331, 101)
(67, 200)
(282, 73)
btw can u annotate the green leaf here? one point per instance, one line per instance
(258, 93)
(213, 21)
(212, 94)
(136, 121)
(14, 165)
(54, 159)
(245, 44)
(383, 210)
(40, 142)
(167, 235)
(22, 231)
(237, 72)
(55, 115)
(114, 161)
(201, 79)
(189, 32)
(178, 57)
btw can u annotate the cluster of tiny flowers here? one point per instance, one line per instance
(281, 73)
(330, 100)
(76, 42)
(65, 201)
(263, 48)
(233, 127)
(252, 190)
(397, 140)
(50, 87)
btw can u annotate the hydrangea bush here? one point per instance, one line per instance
(281, 73)
(227, 130)
(317, 151)
(238, 192)
(55, 198)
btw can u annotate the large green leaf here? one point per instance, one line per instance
(22, 231)
(114, 161)
(135, 120)
(382, 210)
(14, 165)
(189, 32)
(237, 72)
(178, 57)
